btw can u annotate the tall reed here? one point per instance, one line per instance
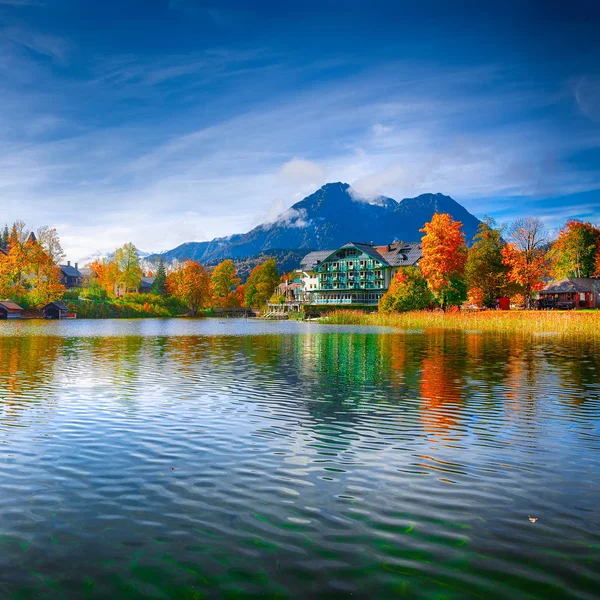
(586, 323)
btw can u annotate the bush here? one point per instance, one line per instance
(407, 292)
(121, 309)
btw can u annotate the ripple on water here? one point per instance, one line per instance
(184, 459)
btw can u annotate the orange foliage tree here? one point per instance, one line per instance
(105, 275)
(28, 272)
(190, 284)
(525, 256)
(444, 257)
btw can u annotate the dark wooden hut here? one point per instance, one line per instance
(571, 292)
(10, 310)
(55, 310)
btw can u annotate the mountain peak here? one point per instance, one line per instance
(330, 217)
(334, 185)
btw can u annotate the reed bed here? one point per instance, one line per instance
(582, 323)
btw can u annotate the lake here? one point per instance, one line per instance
(189, 459)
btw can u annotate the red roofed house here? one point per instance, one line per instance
(10, 310)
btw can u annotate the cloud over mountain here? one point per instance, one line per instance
(331, 216)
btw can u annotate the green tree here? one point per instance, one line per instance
(408, 291)
(223, 284)
(261, 284)
(4, 237)
(160, 281)
(576, 251)
(128, 263)
(484, 269)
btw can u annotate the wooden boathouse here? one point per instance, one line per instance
(55, 310)
(10, 310)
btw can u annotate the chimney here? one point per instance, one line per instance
(68, 263)
(76, 266)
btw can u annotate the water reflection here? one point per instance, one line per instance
(303, 463)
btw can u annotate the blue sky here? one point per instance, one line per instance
(161, 122)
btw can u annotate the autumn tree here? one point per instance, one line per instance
(408, 291)
(484, 270)
(160, 281)
(261, 283)
(44, 277)
(576, 251)
(105, 276)
(525, 256)
(444, 257)
(28, 271)
(190, 284)
(223, 285)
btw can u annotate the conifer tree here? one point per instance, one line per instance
(4, 237)
(159, 285)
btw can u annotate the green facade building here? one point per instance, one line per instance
(356, 273)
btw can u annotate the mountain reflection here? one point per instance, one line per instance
(448, 377)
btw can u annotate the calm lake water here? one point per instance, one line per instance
(237, 459)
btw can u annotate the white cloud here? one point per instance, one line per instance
(302, 171)
(187, 177)
(293, 218)
(379, 129)
(40, 43)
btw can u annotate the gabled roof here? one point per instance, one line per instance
(572, 285)
(60, 305)
(70, 271)
(11, 306)
(397, 254)
(312, 259)
(289, 286)
(401, 254)
(147, 281)
(4, 251)
(368, 249)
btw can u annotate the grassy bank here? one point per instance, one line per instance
(562, 322)
(131, 306)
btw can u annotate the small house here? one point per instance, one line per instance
(10, 310)
(71, 277)
(571, 292)
(55, 310)
(290, 290)
(146, 284)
